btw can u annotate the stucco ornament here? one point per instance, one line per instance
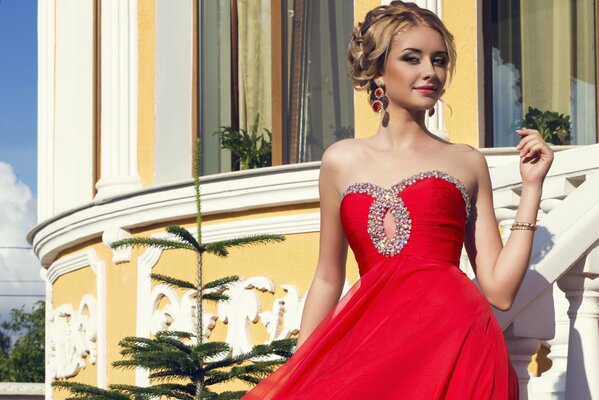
(72, 338)
(174, 313)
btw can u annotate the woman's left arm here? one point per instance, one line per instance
(501, 268)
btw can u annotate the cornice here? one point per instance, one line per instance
(221, 194)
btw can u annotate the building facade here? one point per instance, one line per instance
(126, 86)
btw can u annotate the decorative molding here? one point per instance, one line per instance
(73, 338)
(151, 318)
(70, 263)
(224, 193)
(97, 309)
(110, 236)
(238, 313)
(119, 98)
(178, 314)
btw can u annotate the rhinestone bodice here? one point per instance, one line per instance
(429, 216)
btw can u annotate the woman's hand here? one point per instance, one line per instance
(535, 157)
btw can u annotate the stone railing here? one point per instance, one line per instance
(557, 305)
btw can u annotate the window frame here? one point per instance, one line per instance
(487, 32)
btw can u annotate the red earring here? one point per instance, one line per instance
(380, 101)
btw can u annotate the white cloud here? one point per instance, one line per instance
(17, 267)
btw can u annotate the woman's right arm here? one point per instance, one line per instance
(327, 284)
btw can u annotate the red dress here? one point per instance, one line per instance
(414, 326)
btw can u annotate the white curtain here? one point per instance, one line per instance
(254, 51)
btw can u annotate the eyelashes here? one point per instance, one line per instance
(415, 60)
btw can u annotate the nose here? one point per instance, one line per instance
(429, 71)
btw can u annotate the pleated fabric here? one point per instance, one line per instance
(414, 326)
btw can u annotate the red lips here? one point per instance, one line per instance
(426, 89)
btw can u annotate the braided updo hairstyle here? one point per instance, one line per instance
(371, 42)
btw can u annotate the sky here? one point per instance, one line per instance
(20, 284)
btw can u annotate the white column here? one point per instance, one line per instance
(45, 108)
(119, 99)
(49, 373)
(582, 291)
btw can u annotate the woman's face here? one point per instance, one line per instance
(416, 70)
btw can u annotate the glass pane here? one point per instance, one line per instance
(320, 106)
(215, 82)
(543, 66)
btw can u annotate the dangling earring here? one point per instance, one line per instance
(380, 101)
(431, 112)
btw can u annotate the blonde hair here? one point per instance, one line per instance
(371, 43)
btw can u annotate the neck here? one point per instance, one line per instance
(406, 129)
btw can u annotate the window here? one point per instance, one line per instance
(281, 60)
(540, 57)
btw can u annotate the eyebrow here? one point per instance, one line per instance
(420, 51)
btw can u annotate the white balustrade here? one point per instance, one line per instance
(581, 286)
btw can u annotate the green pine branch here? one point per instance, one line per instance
(172, 282)
(180, 364)
(164, 244)
(184, 235)
(88, 392)
(169, 390)
(220, 248)
(230, 395)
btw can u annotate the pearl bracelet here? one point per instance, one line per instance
(523, 226)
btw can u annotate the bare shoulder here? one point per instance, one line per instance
(473, 160)
(336, 158)
(340, 152)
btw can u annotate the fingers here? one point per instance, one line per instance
(532, 149)
(531, 142)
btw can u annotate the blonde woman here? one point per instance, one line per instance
(414, 326)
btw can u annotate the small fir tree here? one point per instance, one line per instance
(182, 365)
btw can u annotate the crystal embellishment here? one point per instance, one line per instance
(389, 200)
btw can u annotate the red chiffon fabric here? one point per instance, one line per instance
(414, 326)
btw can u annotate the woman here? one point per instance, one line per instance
(414, 326)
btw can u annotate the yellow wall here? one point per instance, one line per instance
(462, 97)
(292, 261)
(146, 13)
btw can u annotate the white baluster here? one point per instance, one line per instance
(521, 351)
(524, 336)
(582, 291)
(551, 385)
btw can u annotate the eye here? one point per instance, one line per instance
(440, 61)
(410, 59)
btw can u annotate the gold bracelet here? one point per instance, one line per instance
(523, 226)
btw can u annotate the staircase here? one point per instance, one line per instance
(557, 303)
